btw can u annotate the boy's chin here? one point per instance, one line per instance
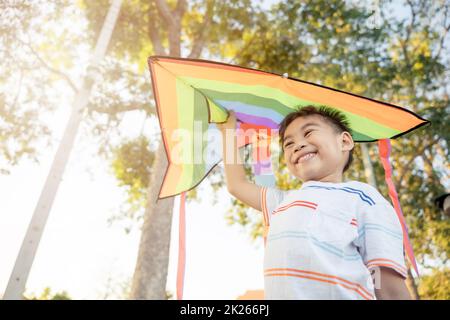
(311, 176)
(313, 172)
(304, 178)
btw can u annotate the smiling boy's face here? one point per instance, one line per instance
(313, 150)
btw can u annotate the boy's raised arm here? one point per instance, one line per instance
(237, 183)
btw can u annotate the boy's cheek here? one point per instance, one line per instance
(286, 160)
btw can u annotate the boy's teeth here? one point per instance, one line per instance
(307, 156)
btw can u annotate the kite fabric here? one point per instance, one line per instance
(193, 95)
(192, 92)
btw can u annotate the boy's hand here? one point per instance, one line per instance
(230, 123)
(237, 184)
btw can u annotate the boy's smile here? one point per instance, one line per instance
(305, 156)
(313, 150)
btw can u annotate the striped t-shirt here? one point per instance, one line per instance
(326, 238)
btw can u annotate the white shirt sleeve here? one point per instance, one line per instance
(380, 238)
(270, 199)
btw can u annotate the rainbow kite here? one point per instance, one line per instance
(192, 95)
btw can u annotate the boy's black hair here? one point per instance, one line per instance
(334, 117)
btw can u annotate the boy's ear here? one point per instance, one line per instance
(347, 141)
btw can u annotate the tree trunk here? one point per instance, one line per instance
(150, 275)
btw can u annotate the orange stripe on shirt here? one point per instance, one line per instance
(402, 272)
(305, 202)
(294, 204)
(265, 215)
(321, 280)
(386, 260)
(320, 275)
(263, 205)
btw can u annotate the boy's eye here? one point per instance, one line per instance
(287, 144)
(308, 132)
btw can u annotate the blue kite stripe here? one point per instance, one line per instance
(322, 245)
(361, 194)
(251, 109)
(377, 227)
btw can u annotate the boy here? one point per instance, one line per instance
(326, 239)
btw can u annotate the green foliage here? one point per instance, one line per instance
(435, 286)
(18, 131)
(47, 294)
(132, 163)
(140, 24)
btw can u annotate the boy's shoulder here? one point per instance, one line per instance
(358, 186)
(369, 190)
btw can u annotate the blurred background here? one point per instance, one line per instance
(394, 51)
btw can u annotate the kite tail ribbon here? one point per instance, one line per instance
(181, 248)
(262, 163)
(384, 147)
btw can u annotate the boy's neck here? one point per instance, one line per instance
(334, 178)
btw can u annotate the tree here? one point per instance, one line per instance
(160, 27)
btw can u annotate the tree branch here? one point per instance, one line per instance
(446, 30)
(408, 33)
(165, 12)
(153, 32)
(173, 20)
(248, 45)
(49, 68)
(181, 8)
(16, 98)
(200, 40)
(417, 154)
(430, 171)
(404, 45)
(119, 108)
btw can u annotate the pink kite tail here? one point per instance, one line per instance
(262, 163)
(181, 248)
(384, 147)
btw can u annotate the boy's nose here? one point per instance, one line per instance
(299, 147)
